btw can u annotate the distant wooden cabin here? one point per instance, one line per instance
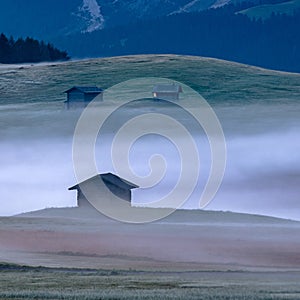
(103, 187)
(81, 96)
(167, 91)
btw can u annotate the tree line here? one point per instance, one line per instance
(221, 33)
(28, 50)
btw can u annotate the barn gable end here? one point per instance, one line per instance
(113, 184)
(81, 96)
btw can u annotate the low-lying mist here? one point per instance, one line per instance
(262, 173)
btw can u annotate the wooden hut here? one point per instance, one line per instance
(103, 186)
(167, 91)
(81, 96)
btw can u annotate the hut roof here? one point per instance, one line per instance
(108, 178)
(85, 89)
(167, 88)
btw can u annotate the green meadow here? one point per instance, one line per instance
(216, 80)
(22, 282)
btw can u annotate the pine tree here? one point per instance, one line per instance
(28, 50)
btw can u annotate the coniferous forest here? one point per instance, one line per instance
(273, 42)
(28, 50)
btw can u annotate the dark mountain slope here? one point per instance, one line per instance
(273, 43)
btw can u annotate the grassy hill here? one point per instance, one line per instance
(216, 80)
(189, 255)
(180, 216)
(258, 111)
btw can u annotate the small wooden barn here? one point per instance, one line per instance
(81, 96)
(103, 186)
(167, 91)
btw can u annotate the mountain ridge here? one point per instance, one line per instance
(54, 18)
(98, 28)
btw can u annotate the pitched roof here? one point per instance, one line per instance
(86, 89)
(108, 178)
(167, 88)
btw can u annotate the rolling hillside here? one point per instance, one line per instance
(259, 113)
(258, 110)
(216, 80)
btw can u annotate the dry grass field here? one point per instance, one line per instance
(79, 254)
